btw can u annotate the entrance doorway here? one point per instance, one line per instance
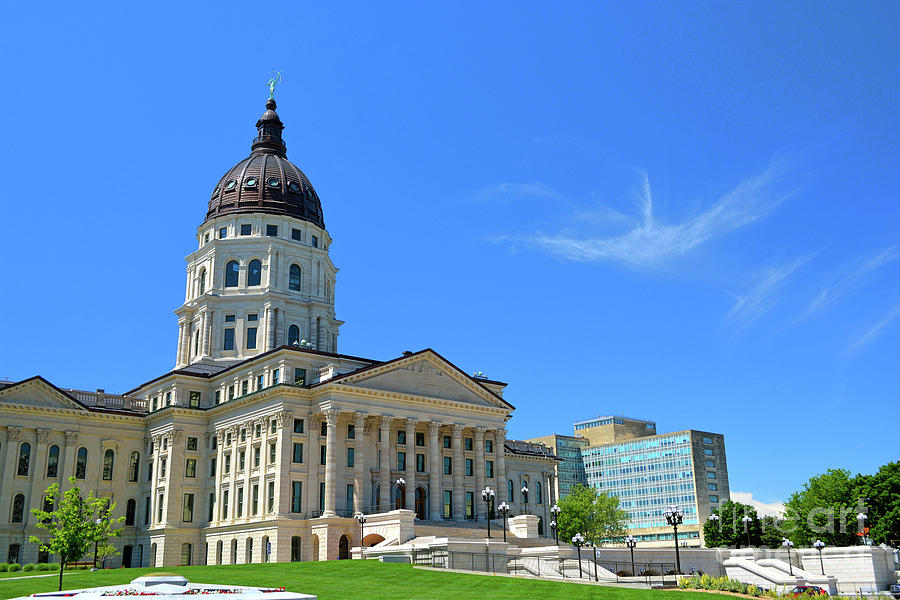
(343, 548)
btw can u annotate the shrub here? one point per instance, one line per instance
(754, 591)
(14, 567)
(624, 573)
(3, 567)
(28, 567)
(53, 566)
(42, 566)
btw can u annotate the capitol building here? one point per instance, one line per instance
(264, 440)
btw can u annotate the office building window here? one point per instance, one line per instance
(713, 498)
(296, 496)
(713, 487)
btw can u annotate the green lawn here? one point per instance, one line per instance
(355, 580)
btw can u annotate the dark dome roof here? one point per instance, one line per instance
(266, 181)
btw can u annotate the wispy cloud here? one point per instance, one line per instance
(763, 509)
(829, 295)
(763, 296)
(650, 242)
(874, 332)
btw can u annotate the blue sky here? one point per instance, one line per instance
(684, 212)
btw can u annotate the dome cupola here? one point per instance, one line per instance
(266, 181)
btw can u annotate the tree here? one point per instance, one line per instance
(728, 529)
(772, 533)
(880, 492)
(594, 515)
(70, 523)
(824, 509)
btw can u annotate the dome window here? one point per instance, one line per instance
(295, 187)
(250, 182)
(273, 182)
(231, 183)
(216, 191)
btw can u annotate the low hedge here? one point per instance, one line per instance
(14, 567)
(28, 567)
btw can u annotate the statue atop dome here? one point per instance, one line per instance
(273, 81)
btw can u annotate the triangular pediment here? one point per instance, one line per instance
(426, 375)
(39, 393)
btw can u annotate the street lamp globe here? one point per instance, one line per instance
(555, 510)
(361, 518)
(578, 539)
(714, 517)
(401, 481)
(818, 544)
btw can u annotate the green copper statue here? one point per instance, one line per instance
(276, 77)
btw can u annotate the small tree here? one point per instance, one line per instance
(728, 530)
(70, 523)
(594, 515)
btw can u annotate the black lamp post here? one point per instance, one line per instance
(401, 492)
(555, 510)
(675, 518)
(98, 522)
(362, 523)
(788, 544)
(524, 491)
(503, 509)
(631, 542)
(747, 519)
(820, 545)
(487, 494)
(578, 540)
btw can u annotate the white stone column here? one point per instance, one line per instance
(410, 464)
(207, 331)
(459, 510)
(67, 467)
(385, 474)
(270, 328)
(179, 358)
(13, 433)
(220, 443)
(311, 456)
(235, 432)
(284, 449)
(479, 473)
(37, 470)
(499, 449)
(331, 460)
(435, 486)
(154, 480)
(359, 464)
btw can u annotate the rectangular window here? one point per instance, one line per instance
(230, 318)
(187, 512)
(211, 506)
(489, 469)
(272, 455)
(707, 440)
(401, 437)
(351, 432)
(710, 475)
(299, 376)
(165, 443)
(254, 500)
(713, 487)
(253, 318)
(223, 233)
(150, 472)
(272, 230)
(260, 381)
(147, 510)
(315, 241)
(296, 496)
(159, 508)
(246, 229)
(298, 453)
(273, 427)
(470, 444)
(713, 498)
(401, 461)
(270, 506)
(420, 438)
(447, 441)
(215, 442)
(229, 339)
(448, 504)
(448, 466)
(420, 463)
(225, 504)
(194, 400)
(227, 464)
(488, 446)
(212, 466)
(153, 403)
(707, 452)
(324, 430)
(322, 454)
(350, 457)
(240, 502)
(192, 443)
(275, 378)
(168, 398)
(241, 460)
(321, 495)
(298, 425)
(243, 435)
(470, 467)
(296, 235)
(162, 468)
(350, 506)
(470, 505)
(711, 464)
(231, 392)
(245, 387)
(256, 454)
(251, 338)
(190, 467)
(257, 430)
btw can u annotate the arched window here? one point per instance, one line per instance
(510, 489)
(81, 463)
(18, 509)
(219, 552)
(202, 289)
(538, 494)
(186, 555)
(108, 458)
(24, 458)
(294, 279)
(248, 552)
(293, 335)
(296, 545)
(254, 272)
(234, 552)
(53, 461)
(130, 509)
(134, 464)
(231, 274)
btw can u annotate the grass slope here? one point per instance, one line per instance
(351, 580)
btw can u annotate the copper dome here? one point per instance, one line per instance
(266, 181)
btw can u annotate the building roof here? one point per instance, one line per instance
(524, 448)
(266, 181)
